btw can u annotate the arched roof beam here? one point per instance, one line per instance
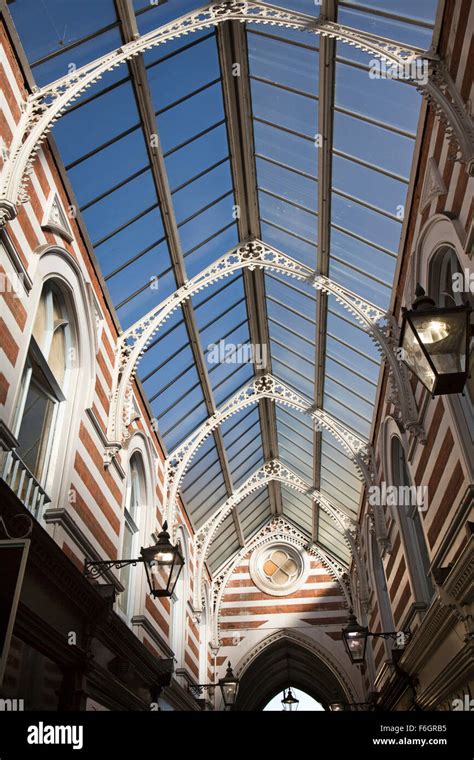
(264, 386)
(253, 254)
(269, 472)
(45, 105)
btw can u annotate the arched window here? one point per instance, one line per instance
(178, 607)
(444, 278)
(46, 380)
(411, 526)
(135, 499)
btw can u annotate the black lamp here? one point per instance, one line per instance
(290, 702)
(163, 562)
(229, 686)
(355, 640)
(435, 343)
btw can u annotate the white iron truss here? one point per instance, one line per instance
(253, 254)
(264, 386)
(270, 471)
(275, 530)
(45, 105)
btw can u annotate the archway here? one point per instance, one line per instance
(283, 662)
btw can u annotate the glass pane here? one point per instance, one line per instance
(202, 191)
(89, 50)
(106, 117)
(109, 167)
(284, 108)
(386, 27)
(121, 206)
(387, 100)
(182, 74)
(191, 117)
(196, 157)
(294, 187)
(370, 225)
(49, 25)
(35, 428)
(375, 145)
(370, 186)
(284, 148)
(284, 64)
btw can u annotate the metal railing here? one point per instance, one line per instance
(23, 483)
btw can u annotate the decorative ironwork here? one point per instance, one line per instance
(271, 471)
(276, 529)
(7, 533)
(96, 570)
(134, 341)
(47, 104)
(265, 386)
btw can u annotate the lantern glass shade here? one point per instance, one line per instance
(290, 702)
(337, 706)
(435, 346)
(163, 563)
(229, 686)
(355, 640)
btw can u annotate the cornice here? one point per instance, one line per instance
(63, 518)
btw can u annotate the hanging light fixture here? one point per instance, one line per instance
(229, 686)
(163, 563)
(290, 702)
(355, 639)
(435, 343)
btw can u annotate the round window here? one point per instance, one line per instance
(278, 569)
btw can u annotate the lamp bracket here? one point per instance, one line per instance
(97, 570)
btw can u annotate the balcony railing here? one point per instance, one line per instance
(23, 483)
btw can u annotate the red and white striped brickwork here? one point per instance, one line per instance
(445, 463)
(95, 494)
(248, 614)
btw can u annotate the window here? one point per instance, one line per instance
(278, 570)
(45, 381)
(411, 527)
(134, 499)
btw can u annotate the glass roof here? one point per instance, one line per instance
(147, 242)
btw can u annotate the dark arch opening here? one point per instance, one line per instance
(283, 663)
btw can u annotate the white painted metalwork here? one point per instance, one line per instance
(275, 530)
(253, 254)
(270, 471)
(47, 104)
(265, 386)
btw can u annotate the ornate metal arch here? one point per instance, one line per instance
(253, 254)
(276, 529)
(270, 471)
(265, 386)
(46, 105)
